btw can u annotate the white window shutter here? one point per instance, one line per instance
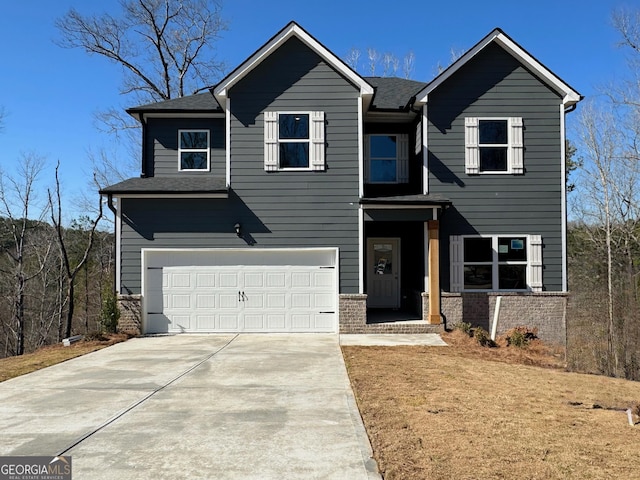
(367, 158)
(535, 263)
(517, 146)
(472, 151)
(403, 158)
(317, 154)
(456, 253)
(418, 146)
(270, 141)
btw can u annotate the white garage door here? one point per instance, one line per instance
(241, 298)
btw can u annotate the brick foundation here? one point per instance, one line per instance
(130, 314)
(353, 319)
(545, 311)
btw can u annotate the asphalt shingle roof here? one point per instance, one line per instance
(393, 93)
(168, 185)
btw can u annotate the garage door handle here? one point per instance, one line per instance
(239, 296)
(327, 312)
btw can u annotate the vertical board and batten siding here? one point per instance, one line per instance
(300, 208)
(295, 209)
(162, 146)
(495, 84)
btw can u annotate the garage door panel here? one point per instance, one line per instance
(257, 298)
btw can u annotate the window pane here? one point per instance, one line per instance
(493, 159)
(478, 277)
(382, 258)
(193, 161)
(478, 250)
(383, 171)
(493, 131)
(193, 140)
(512, 277)
(293, 125)
(294, 155)
(383, 146)
(512, 249)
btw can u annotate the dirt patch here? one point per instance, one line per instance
(44, 357)
(466, 412)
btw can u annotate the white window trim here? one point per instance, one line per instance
(533, 263)
(316, 141)
(194, 150)
(402, 158)
(514, 145)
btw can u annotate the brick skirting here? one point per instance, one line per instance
(545, 311)
(130, 314)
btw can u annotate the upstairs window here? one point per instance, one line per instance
(493, 145)
(387, 158)
(193, 150)
(294, 141)
(496, 263)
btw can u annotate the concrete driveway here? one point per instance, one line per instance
(194, 406)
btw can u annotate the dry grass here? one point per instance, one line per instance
(468, 412)
(15, 366)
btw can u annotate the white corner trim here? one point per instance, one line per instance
(563, 200)
(360, 250)
(425, 151)
(291, 30)
(426, 257)
(227, 140)
(361, 159)
(118, 221)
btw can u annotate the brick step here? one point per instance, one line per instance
(412, 327)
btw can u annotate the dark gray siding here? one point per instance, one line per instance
(494, 84)
(162, 145)
(276, 209)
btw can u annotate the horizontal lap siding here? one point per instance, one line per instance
(300, 209)
(496, 85)
(275, 209)
(162, 145)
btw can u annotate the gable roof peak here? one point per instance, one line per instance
(292, 29)
(498, 36)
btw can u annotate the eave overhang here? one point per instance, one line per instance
(169, 187)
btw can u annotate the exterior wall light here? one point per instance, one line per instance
(238, 229)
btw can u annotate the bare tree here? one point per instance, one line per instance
(372, 56)
(17, 202)
(408, 65)
(390, 64)
(166, 49)
(55, 206)
(159, 43)
(353, 58)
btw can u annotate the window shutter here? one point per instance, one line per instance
(367, 158)
(517, 146)
(317, 156)
(403, 158)
(535, 263)
(270, 141)
(472, 151)
(418, 146)
(457, 263)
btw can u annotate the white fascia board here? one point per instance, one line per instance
(293, 29)
(183, 115)
(569, 95)
(170, 195)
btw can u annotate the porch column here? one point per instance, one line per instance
(434, 273)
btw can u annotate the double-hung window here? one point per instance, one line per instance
(193, 150)
(496, 262)
(294, 141)
(493, 145)
(387, 158)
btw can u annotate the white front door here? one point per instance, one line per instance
(383, 275)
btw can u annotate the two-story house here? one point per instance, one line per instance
(299, 196)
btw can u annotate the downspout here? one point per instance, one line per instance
(115, 241)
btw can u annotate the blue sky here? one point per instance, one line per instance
(50, 94)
